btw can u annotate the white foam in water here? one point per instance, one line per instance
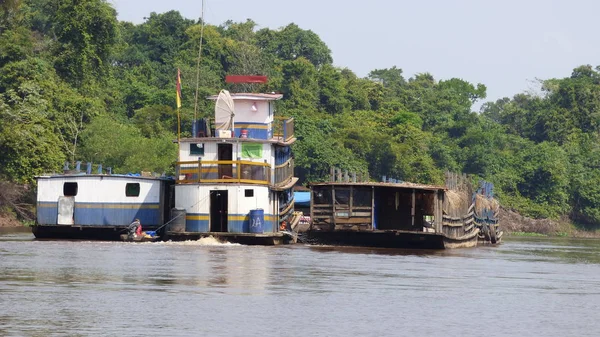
(207, 241)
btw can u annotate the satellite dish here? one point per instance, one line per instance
(224, 111)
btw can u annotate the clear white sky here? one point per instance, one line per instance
(504, 44)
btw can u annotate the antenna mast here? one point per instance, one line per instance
(198, 63)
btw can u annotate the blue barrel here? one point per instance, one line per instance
(257, 219)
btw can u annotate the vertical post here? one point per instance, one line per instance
(373, 208)
(440, 215)
(99, 168)
(346, 179)
(311, 203)
(89, 168)
(353, 177)
(238, 170)
(332, 174)
(199, 169)
(266, 171)
(333, 204)
(351, 201)
(412, 209)
(339, 175)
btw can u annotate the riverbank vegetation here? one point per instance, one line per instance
(76, 84)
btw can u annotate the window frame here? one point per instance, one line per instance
(128, 191)
(68, 189)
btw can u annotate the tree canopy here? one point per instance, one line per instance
(78, 85)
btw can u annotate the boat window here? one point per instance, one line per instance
(70, 189)
(249, 193)
(342, 196)
(361, 196)
(132, 190)
(322, 196)
(197, 149)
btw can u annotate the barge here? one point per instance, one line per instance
(396, 214)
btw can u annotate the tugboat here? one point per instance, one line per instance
(234, 178)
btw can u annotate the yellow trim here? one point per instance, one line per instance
(222, 162)
(197, 217)
(251, 126)
(253, 163)
(47, 204)
(132, 206)
(194, 170)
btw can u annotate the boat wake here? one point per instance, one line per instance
(207, 241)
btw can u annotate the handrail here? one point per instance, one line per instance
(224, 162)
(286, 163)
(223, 171)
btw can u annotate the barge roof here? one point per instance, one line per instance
(403, 185)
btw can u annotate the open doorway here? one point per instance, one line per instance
(225, 152)
(218, 211)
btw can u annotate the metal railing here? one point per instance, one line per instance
(223, 171)
(283, 127)
(284, 172)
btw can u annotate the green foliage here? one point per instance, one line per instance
(86, 31)
(124, 148)
(291, 43)
(76, 84)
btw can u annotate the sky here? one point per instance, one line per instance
(507, 45)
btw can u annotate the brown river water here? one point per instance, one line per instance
(524, 287)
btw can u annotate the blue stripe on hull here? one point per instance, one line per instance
(233, 226)
(102, 214)
(116, 217)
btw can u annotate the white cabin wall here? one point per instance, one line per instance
(196, 198)
(99, 189)
(244, 113)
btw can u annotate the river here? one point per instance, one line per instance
(524, 287)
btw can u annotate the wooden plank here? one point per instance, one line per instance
(451, 224)
(362, 208)
(353, 220)
(321, 211)
(323, 205)
(363, 214)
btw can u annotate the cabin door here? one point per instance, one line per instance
(225, 152)
(66, 206)
(218, 211)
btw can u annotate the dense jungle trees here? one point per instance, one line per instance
(77, 84)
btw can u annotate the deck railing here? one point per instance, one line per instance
(284, 172)
(223, 171)
(283, 127)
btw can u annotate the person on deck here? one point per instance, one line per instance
(134, 229)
